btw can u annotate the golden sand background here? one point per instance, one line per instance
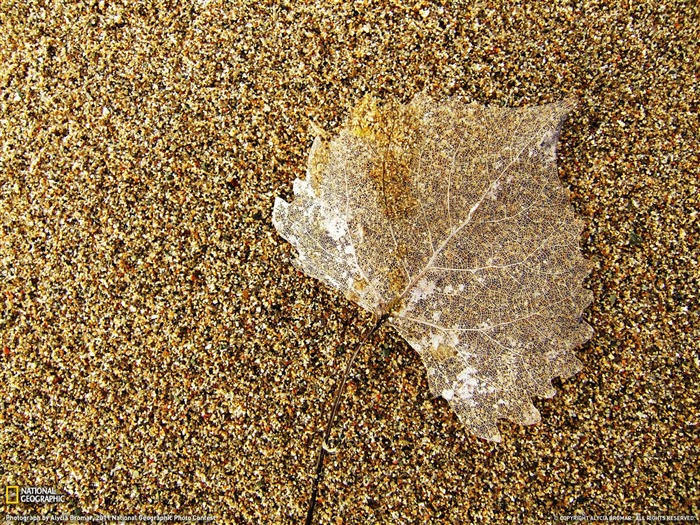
(159, 353)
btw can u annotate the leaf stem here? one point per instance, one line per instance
(336, 405)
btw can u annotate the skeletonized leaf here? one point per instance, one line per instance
(451, 219)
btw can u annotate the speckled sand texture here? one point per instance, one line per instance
(159, 353)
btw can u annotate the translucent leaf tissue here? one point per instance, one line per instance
(449, 221)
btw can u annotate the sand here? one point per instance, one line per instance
(161, 356)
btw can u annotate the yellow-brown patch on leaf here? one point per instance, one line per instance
(443, 352)
(393, 131)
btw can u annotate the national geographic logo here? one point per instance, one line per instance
(35, 495)
(11, 494)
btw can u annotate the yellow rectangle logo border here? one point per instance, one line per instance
(15, 489)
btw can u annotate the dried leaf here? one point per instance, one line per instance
(451, 219)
